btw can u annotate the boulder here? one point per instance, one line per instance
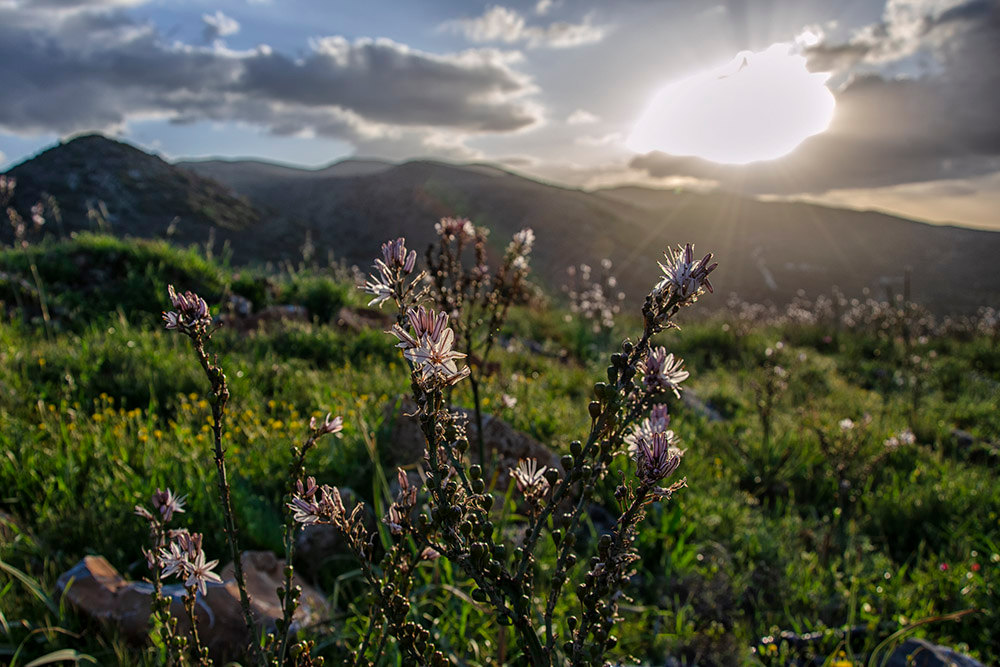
(359, 319)
(505, 445)
(95, 589)
(922, 653)
(317, 545)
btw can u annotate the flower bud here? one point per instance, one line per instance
(595, 409)
(566, 461)
(575, 448)
(475, 472)
(599, 389)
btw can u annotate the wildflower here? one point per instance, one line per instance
(167, 504)
(199, 572)
(430, 347)
(305, 509)
(508, 401)
(525, 239)
(846, 425)
(657, 422)
(657, 458)
(394, 519)
(334, 426)
(38, 214)
(901, 439)
(172, 559)
(191, 315)
(379, 288)
(530, 478)
(943, 567)
(684, 277)
(389, 271)
(459, 228)
(661, 372)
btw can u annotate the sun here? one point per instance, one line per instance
(759, 106)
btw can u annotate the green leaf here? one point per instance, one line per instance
(61, 655)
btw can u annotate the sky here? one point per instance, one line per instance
(886, 104)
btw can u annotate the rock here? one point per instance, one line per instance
(922, 653)
(359, 319)
(699, 407)
(97, 590)
(263, 572)
(316, 546)
(963, 439)
(504, 444)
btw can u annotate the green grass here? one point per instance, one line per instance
(109, 407)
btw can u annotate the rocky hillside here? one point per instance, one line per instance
(769, 250)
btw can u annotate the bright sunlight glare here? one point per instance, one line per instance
(759, 106)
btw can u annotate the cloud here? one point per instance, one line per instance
(100, 70)
(609, 139)
(542, 7)
(505, 25)
(938, 121)
(219, 25)
(581, 117)
(973, 201)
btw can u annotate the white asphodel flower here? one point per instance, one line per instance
(662, 372)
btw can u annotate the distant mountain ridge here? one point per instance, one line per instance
(767, 250)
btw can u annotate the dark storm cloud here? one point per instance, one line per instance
(938, 123)
(87, 70)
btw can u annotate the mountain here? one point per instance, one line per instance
(767, 250)
(142, 193)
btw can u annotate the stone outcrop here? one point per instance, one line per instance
(96, 589)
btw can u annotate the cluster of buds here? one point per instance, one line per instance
(329, 425)
(398, 516)
(430, 348)
(190, 315)
(657, 457)
(389, 280)
(661, 372)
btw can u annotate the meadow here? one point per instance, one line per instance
(841, 479)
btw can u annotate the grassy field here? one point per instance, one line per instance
(794, 520)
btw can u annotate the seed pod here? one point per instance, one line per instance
(599, 389)
(566, 462)
(595, 409)
(575, 448)
(475, 472)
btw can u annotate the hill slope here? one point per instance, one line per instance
(769, 250)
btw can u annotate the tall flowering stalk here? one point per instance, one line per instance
(192, 318)
(456, 524)
(476, 300)
(177, 552)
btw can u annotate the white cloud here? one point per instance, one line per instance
(542, 7)
(502, 24)
(219, 25)
(581, 117)
(610, 139)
